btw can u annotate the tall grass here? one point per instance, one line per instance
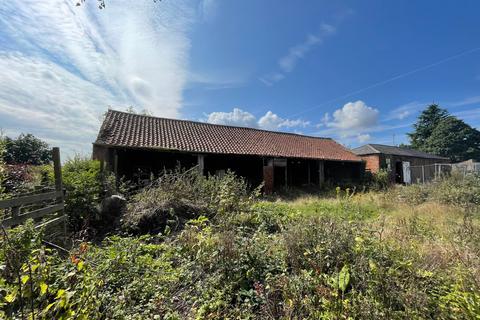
(374, 255)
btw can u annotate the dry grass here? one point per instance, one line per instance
(444, 235)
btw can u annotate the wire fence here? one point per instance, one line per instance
(428, 173)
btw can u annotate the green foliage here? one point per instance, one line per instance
(2, 165)
(379, 180)
(27, 149)
(426, 123)
(458, 190)
(181, 195)
(439, 133)
(454, 139)
(85, 187)
(238, 258)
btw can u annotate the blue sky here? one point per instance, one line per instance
(356, 71)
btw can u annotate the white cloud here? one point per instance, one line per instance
(269, 121)
(270, 79)
(208, 9)
(405, 111)
(237, 117)
(470, 116)
(218, 79)
(288, 62)
(466, 101)
(33, 99)
(70, 62)
(354, 117)
(362, 138)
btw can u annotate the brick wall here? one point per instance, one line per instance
(372, 163)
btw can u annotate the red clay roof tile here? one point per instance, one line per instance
(123, 129)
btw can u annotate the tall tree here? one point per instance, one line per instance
(26, 149)
(454, 139)
(426, 123)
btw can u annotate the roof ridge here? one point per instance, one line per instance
(218, 125)
(414, 152)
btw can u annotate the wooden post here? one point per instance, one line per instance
(321, 172)
(286, 173)
(423, 174)
(115, 163)
(308, 166)
(57, 168)
(201, 163)
(268, 175)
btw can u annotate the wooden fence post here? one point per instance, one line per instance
(57, 169)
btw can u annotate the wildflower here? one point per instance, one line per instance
(75, 260)
(258, 287)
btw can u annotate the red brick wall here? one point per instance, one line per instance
(372, 163)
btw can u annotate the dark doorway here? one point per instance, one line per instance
(279, 175)
(398, 172)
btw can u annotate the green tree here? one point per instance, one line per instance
(26, 149)
(454, 139)
(426, 123)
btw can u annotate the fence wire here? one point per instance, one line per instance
(428, 173)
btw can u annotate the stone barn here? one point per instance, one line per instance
(404, 165)
(135, 146)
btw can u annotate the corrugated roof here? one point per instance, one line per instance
(392, 150)
(123, 129)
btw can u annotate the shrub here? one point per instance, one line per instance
(462, 191)
(379, 180)
(83, 185)
(2, 166)
(245, 259)
(86, 186)
(180, 195)
(458, 190)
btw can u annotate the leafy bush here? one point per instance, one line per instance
(86, 186)
(458, 190)
(452, 190)
(181, 195)
(245, 259)
(83, 184)
(378, 180)
(2, 166)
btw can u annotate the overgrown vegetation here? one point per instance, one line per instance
(26, 149)
(2, 165)
(214, 250)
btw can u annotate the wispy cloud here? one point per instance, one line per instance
(208, 9)
(64, 64)
(241, 118)
(465, 102)
(288, 62)
(471, 116)
(405, 111)
(216, 80)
